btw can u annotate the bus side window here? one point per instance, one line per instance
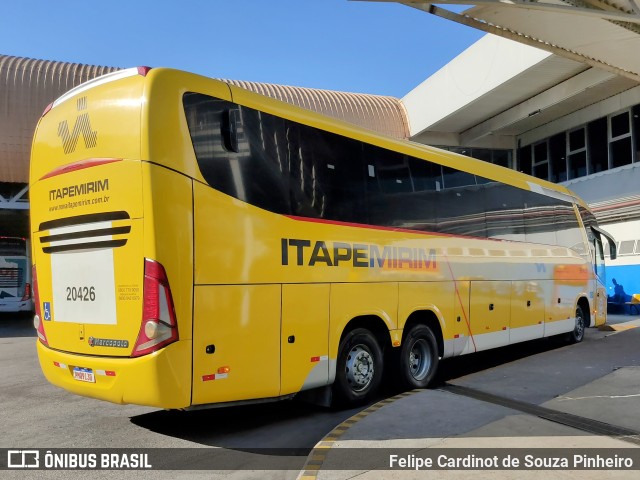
(539, 218)
(263, 162)
(205, 118)
(568, 232)
(504, 211)
(327, 175)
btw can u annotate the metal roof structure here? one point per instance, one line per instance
(27, 86)
(382, 114)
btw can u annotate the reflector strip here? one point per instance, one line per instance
(214, 376)
(60, 365)
(106, 373)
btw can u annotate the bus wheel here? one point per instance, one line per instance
(578, 332)
(418, 357)
(359, 368)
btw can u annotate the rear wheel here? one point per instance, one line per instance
(418, 357)
(359, 368)
(578, 332)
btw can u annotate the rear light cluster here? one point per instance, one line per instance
(37, 319)
(159, 327)
(27, 292)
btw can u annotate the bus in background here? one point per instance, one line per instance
(623, 272)
(15, 275)
(196, 244)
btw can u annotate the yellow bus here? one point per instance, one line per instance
(196, 244)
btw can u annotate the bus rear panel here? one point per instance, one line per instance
(106, 314)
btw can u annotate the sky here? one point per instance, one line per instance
(353, 46)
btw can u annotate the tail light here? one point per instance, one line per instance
(37, 319)
(159, 327)
(27, 292)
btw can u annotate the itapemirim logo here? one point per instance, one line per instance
(81, 127)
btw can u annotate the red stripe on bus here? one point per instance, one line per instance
(80, 165)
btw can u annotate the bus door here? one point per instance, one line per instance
(599, 279)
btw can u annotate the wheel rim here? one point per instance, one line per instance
(579, 330)
(359, 368)
(419, 359)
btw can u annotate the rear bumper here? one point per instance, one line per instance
(161, 379)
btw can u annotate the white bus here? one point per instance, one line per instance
(15, 275)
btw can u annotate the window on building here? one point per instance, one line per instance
(502, 158)
(577, 153)
(541, 160)
(597, 145)
(558, 157)
(524, 160)
(635, 121)
(483, 154)
(620, 141)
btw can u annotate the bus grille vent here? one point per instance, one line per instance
(87, 232)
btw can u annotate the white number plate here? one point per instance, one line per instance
(84, 375)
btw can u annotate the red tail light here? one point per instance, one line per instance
(27, 292)
(159, 327)
(37, 319)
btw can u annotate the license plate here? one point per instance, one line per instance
(84, 375)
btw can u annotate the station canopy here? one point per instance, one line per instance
(603, 34)
(594, 47)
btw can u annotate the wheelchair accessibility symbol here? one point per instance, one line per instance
(47, 310)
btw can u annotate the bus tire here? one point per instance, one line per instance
(577, 334)
(358, 369)
(418, 357)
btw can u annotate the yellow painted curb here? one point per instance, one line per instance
(319, 453)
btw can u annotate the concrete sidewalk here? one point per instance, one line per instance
(429, 423)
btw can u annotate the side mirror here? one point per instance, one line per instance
(230, 120)
(613, 249)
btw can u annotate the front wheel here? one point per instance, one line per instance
(578, 332)
(418, 357)
(359, 368)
